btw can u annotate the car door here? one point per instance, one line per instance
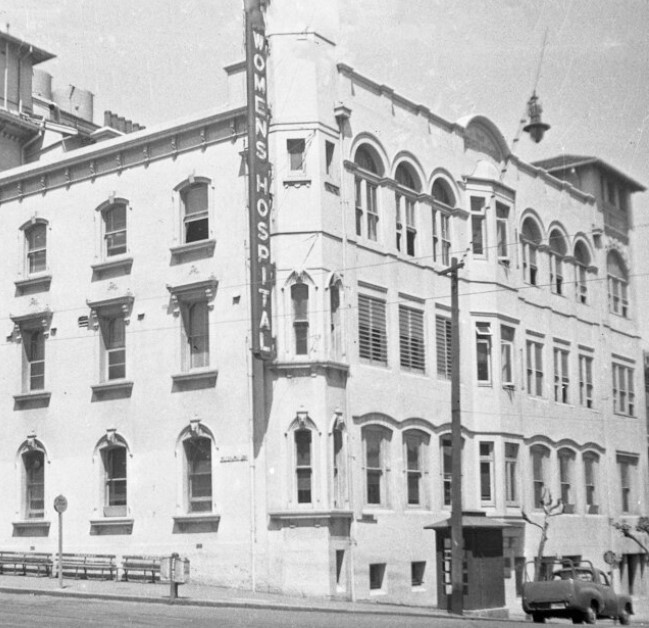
(608, 595)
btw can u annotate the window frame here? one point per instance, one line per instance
(535, 371)
(512, 492)
(478, 207)
(623, 389)
(591, 462)
(567, 465)
(617, 284)
(201, 244)
(540, 463)
(300, 317)
(507, 356)
(503, 211)
(561, 360)
(483, 338)
(444, 356)
(33, 250)
(110, 480)
(486, 460)
(628, 482)
(26, 328)
(376, 475)
(368, 170)
(416, 475)
(31, 485)
(107, 210)
(586, 385)
(190, 474)
(296, 146)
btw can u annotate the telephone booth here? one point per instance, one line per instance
(483, 566)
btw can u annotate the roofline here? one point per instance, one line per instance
(37, 54)
(596, 161)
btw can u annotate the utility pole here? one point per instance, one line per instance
(457, 541)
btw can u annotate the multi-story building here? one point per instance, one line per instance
(126, 378)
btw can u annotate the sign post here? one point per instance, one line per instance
(60, 505)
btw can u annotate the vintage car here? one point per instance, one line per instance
(573, 591)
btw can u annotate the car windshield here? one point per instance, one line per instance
(576, 574)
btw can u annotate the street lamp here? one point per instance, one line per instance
(536, 127)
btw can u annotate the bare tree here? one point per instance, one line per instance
(626, 530)
(550, 509)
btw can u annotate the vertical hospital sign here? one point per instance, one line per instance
(261, 275)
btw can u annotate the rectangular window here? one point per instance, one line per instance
(447, 469)
(623, 390)
(115, 481)
(534, 368)
(478, 244)
(411, 339)
(303, 468)
(511, 474)
(197, 334)
(375, 440)
(372, 329)
(434, 215)
(34, 484)
(502, 223)
(446, 239)
(377, 576)
(414, 454)
(115, 229)
(34, 359)
(443, 346)
(198, 454)
(113, 331)
(507, 356)
(194, 199)
(417, 570)
(358, 194)
(591, 462)
(411, 230)
(329, 157)
(486, 472)
(296, 149)
(372, 212)
(540, 458)
(586, 381)
(561, 375)
(36, 237)
(483, 352)
(300, 300)
(628, 470)
(398, 210)
(566, 473)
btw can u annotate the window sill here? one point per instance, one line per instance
(196, 376)
(205, 247)
(313, 518)
(295, 368)
(120, 262)
(111, 525)
(193, 523)
(118, 385)
(297, 181)
(31, 527)
(40, 397)
(36, 281)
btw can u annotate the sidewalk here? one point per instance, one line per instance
(205, 595)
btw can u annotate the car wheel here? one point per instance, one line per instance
(537, 618)
(590, 616)
(577, 619)
(625, 617)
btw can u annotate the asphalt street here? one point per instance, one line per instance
(48, 612)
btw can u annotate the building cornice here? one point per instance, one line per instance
(113, 156)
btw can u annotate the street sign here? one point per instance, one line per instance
(609, 558)
(60, 504)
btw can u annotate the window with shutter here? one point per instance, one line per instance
(411, 339)
(443, 342)
(372, 330)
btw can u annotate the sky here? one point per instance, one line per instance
(156, 60)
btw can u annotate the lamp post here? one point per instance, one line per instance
(457, 541)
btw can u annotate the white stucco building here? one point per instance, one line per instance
(125, 378)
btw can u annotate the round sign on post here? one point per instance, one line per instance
(609, 557)
(60, 504)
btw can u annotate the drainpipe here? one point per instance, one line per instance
(6, 73)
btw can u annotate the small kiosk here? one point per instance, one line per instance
(483, 568)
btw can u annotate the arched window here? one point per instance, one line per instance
(557, 246)
(582, 262)
(540, 459)
(36, 245)
(34, 483)
(530, 241)
(198, 460)
(366, 192)
(443, 193)
(567, 479)
(405, 198)
(618, 284)
(300, 301)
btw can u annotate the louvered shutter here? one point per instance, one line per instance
(372, 329)
(443, 342)
(411, 338)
